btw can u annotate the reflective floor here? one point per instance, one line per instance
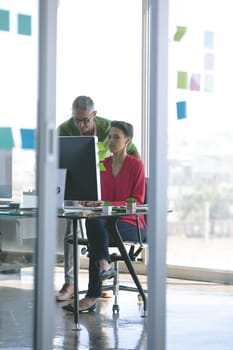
(199, 316)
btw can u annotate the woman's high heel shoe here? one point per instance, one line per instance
(107, 274)
(70, 308)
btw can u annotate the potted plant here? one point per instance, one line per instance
(107, 208)
(131, 204)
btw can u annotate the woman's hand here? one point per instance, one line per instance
(91, 203)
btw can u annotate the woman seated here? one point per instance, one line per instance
(124, 177)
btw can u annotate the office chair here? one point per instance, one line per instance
(129, 256)
(128, 252)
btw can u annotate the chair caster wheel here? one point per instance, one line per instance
(115, 309)
(139, 297)
(84, 251)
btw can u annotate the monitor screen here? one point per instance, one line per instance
(5, 173)
(79, 155)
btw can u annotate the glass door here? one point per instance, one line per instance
(18, 124)
(27, 173)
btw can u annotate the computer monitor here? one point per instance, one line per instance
(5, 173)
(79, 155)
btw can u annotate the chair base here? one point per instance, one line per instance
(123, 287)
(128, 257)
(116, 287)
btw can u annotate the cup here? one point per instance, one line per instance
(131, 207)
(107, 209)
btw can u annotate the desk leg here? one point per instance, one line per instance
(75, 262)
(124, 253)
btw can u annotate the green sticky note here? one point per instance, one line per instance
(101, 155)
(180, 31)
(182, 80)
(102, 167)
(6, 138)
(101, 146)
(4, 20)
(24, 24)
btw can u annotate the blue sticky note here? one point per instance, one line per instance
(6, 138)
(28, 138)
(181, 110)
(4, 20)
(208, 39)
(24, 24)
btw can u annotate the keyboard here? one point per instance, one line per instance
(4, 204)
(80, 207)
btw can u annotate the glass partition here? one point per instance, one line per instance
(18, 119)
(200, 230)
(102, 58)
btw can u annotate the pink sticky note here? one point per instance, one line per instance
(195, 82)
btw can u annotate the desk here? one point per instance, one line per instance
(75, 216)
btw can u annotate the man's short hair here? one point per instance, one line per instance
(127, 128)
(83, 102)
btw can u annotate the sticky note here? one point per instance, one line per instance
(181, 109)
(24, 24)
(101, 146)
(182, 80)
(195, 82)
(209, 83)
(209, 61)
(4, 20)
(208, 39)
(180, 31)
(6, 138)
(28, 139)
(101, 155)
(102, 166)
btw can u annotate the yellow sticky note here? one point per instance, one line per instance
(182, 80)
(180, 31)
(101, 146)
(101, 155)
(102, 167)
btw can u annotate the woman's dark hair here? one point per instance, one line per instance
(127, 128)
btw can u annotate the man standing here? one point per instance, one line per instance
(83, 122)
